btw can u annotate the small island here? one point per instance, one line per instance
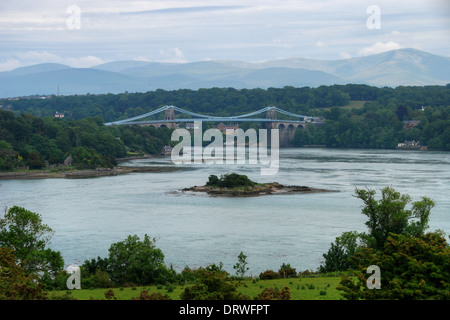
(235, 185)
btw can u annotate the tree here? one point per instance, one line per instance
(241, 265)
(411, 268)
(389, 215)
(136, 261)
(15, 283)
(339, 255)
(212, 283)
(35, 160)
(286, 271)
(24, 231)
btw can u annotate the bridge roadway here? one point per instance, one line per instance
(211, 120)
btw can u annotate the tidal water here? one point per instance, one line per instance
(88, 215)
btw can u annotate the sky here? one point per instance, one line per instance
(82, 33)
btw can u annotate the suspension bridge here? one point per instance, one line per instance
(287, 127)
(169, 117)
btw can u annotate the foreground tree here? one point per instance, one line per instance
(15, 283)
(25, 232)
(390, 215)
(338, 257)
(411, 268)
(138, 262)
(241, 265)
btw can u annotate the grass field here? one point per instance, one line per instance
(304, 288)
(353, 104)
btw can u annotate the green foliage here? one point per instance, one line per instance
(231, 180)
(136, 261)
(25, 232)
(212, 283)
(340, 253)
(390, 215)
(15, 282)
(415, 268)
(241, 265)
(27, 140)
(269, 274)
(286, 271)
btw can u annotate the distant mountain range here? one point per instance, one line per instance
(391, 69)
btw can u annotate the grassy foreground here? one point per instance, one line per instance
(303, 288)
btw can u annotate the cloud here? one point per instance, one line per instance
(9, 65)
(35, 57)
(142, 58)
(174, 55)
(218, 29)
(379, 47)
(345, 55)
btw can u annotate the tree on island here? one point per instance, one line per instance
(231, 180)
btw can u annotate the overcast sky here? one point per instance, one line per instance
(83, 33)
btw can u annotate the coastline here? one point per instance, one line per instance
(79, 174)
(258, 190)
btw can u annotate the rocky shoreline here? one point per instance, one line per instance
(258, 190)
(79, 174)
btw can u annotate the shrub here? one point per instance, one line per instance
(153, 296)
(109, 295)
(274, 294)
(268, 275)
(213, 283)
(286, 271)
(101, 280)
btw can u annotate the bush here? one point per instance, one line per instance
(109, 295)
(213, 283)
(268, 275)
(153, 296)
(101, 280)
(286, 271)
(274, 294)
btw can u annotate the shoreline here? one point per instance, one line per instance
(79, 174)
(273, 188)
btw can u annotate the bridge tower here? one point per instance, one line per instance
(169, 114)
(272, 115)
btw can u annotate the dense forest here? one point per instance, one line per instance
(357, 116)
(229, 101)
(33, 142)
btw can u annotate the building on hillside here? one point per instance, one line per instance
(223, 127)
(191, 126)
(68, 161)
(166, 150)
